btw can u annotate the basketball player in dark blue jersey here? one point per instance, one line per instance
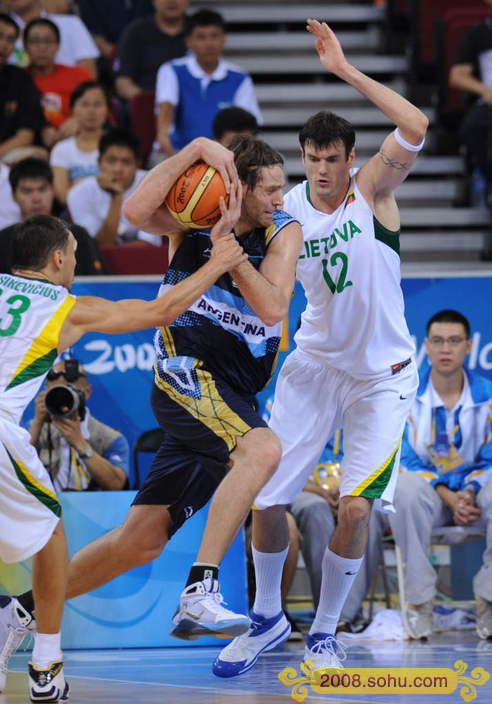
(210, 364)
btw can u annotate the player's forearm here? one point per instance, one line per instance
(411, 121)
(264, 298)
(153, 189)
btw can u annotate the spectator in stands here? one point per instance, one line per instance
(106, 20)
(78, 450)
(77, 157)
(55, 82)
(31, 183)
(147, 43)
(472, 73)
(447, 455)
(233, 122)
(76, 46)
(96, 202)
(9, 210)
(21, 116)
(191, 90)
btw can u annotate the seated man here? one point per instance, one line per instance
(190, 91)
(447, 453)
(96, 202)
(78, 450)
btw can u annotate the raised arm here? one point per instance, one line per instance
(390, 166)
(146, 209)
(91, 314)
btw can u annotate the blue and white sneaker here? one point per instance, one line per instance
(201, 613)
(240, 655)
(323, 651)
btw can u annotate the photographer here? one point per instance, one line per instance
(78, 451)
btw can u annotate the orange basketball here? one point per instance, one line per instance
(194, 198)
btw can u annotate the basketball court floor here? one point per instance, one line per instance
(183, 675)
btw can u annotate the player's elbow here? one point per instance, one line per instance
(274, 314)
(132, 212)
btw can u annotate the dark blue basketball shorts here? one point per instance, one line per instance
(202, 425)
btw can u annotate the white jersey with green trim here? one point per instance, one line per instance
(32, 312)
(350, 271)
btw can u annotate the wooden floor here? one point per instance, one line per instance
(183, 675)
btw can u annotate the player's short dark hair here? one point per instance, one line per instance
(120, 137)
(233, 119)
(204, 18)
(7, 19)
(82, 88)
(250, 155)
(326, 128)
(449, 316)
(41, 22)
(31, 167)
(35, 239)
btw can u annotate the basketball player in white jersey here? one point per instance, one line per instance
(354, 363)
(38, 319)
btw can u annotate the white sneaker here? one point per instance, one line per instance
(15, 622)
(323, 651)
(201, 613)
(48, 685)
(240, 655)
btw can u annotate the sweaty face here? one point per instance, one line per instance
(260, 203)
(207, 43)
(41, 45)
(447, 346)
(120, 164)
(327, 169)
(34, 196)
(91, 109)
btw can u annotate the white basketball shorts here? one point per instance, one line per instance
(29, 507)
(312, 400)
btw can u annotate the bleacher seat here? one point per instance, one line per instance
(142, 117)
(136, 258)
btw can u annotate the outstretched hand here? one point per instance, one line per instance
(230, 213)
(328, 47)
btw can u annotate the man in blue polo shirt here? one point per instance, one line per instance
(191, 90)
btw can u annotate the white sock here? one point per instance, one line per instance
(47, 649)
(338, 576)
(268, 573)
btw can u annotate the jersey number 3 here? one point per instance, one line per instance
(19, 305)
(342, 282)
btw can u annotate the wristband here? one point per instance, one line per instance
(87, 454)
(406, 145)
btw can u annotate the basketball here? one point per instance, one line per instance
(194, 198)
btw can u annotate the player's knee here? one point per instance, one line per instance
(140, 548)
(354, 512)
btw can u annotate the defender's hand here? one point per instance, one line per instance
(328, 47)
(230, 213)
(228, 253)
(221, 159)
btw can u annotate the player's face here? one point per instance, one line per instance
(207, 43)
(42, 45)
(260, 202)
(34, 196)
(8, 38)
(447, 346)
(327, 169)
(120, 164)
(67, 263)
(91, 109)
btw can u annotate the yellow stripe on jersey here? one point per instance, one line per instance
(269, 233)
(167, 338)
(34, 486)
(210, 409)
(43, 350)
(377, 480)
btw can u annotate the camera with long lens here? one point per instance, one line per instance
(64, 400)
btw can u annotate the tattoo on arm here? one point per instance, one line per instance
(392, 163)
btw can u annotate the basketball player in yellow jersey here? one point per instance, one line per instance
(38, 319)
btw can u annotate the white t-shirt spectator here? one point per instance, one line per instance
(76, 42)
(79, 164)
(89, 204)
(9, 210)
